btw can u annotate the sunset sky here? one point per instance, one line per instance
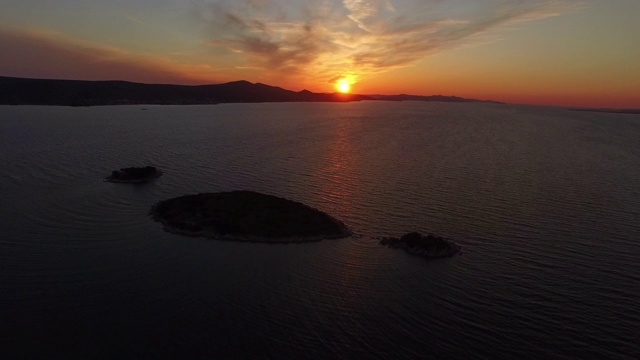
(574, 53)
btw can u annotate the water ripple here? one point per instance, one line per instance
(544, 203)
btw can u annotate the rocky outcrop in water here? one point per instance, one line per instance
(429, 246)
(134, 175)
(246, 216)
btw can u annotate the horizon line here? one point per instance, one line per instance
(578, 107)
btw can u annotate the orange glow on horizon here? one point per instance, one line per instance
(514, 88)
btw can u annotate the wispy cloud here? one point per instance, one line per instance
(357, 38)
(134, 19)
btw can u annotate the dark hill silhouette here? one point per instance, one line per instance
(23, 91)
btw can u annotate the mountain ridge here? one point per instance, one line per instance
(29, 91)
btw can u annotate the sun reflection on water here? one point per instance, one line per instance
(339, 172)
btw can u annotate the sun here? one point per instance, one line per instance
(343, 86)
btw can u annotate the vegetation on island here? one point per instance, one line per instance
(429, 246)
(246, 216)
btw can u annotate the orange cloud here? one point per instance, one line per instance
(321, 42)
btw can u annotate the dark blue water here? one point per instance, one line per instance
(544, 201)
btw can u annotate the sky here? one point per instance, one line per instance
(563, 52)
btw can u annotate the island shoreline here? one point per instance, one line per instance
(342, 230)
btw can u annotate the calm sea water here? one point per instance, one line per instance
(544, 201)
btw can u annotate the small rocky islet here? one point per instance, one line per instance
(246, 216)
(429, 246)
(134, 175)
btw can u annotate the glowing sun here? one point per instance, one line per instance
(343, 86)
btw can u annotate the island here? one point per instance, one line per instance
(430, 246)
(246, 216)
(134, 175)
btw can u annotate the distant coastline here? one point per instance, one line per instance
(24, 91)
(612, 111)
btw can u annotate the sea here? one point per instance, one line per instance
(544, 201)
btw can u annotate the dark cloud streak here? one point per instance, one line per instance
(42, 55)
